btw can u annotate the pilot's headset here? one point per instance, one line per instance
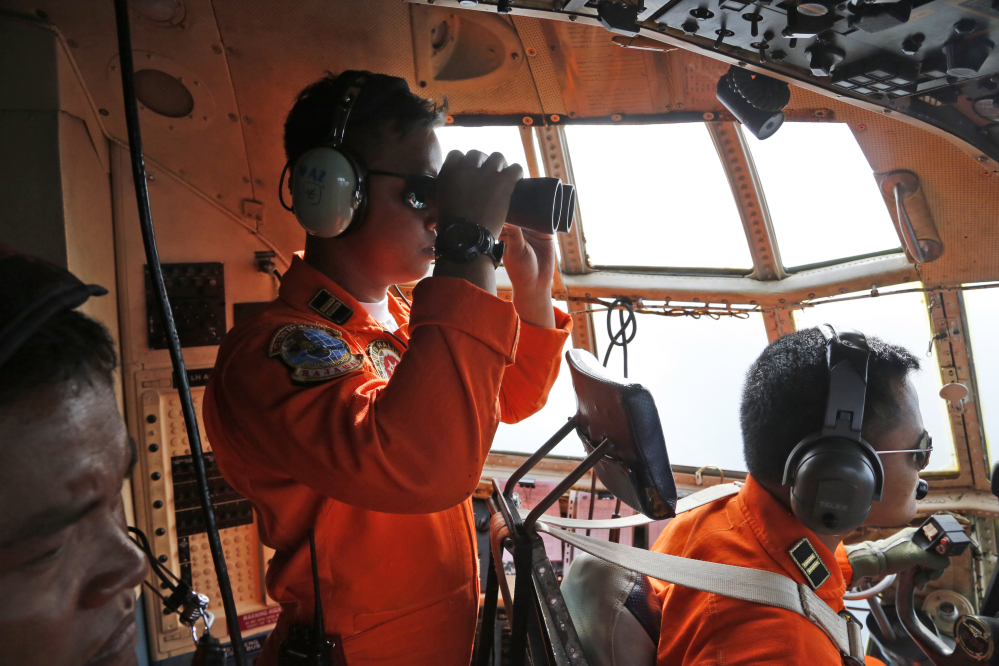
(834, 474)
(329, 182)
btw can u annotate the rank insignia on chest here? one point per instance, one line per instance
(384, 357)
(807, 558)
(331, 307)
(314, 353)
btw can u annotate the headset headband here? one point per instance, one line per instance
(847, 354)
(341, 113)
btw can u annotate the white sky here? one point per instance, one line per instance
(902, 320)
(983, 322)
(641, 207)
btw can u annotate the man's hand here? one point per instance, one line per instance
(529, 259)
(897, 553)
(476, 188)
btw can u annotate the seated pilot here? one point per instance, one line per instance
(784, 401)
(67, 567)
(338, 409)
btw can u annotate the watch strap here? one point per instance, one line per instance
(486, 244)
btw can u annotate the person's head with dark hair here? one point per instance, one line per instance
(67, 567)
(784, 401)
(386, 107)
(390, 130)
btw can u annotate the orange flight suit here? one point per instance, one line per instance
(304, 422)
(751, 529)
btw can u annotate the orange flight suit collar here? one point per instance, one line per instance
(778, 531)
(754, 530)
(301, 282)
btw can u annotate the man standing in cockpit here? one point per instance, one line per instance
(340, 410)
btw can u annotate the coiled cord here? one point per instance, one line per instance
(621, 338)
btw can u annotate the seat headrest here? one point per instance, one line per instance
(637, 470)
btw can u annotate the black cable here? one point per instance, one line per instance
(620, 339)
(163, 301)
(284, 172)
(403, 296)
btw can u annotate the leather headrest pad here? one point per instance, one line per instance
(637, 471)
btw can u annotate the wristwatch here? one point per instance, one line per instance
(462, 241)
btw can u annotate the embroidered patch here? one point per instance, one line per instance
(384, 357)
(331, 307)
(807, 558)
(315, 353)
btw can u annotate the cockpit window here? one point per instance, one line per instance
(981, 307)
(900, 319)
(694, 369)
(528, 435)
(655, 196)
(504, 139)
(824, 202)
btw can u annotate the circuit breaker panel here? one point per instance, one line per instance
(169, 510)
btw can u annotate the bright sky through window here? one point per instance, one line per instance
(982, 311)
(900, 320)
(500, 139)
(823, 200)
(694, 369)
(655, 195)
(528, 435)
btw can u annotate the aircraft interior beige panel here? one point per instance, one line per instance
(599, 78)
(54, 198)
(190, 228)
(206, 145)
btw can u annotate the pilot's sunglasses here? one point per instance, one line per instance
(920, 455)
(419, 191)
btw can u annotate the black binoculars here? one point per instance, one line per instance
(542, 204)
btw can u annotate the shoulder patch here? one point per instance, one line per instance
(807, 558)
(314, 353)
(384, 357)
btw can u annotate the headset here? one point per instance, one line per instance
(835, 474)
(329, 183)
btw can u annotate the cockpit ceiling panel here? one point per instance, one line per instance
(245, 60)
(218, 165)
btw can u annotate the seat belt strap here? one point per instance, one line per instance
(761, 587)
(684, 504)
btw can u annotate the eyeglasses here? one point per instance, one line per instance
(920, 455)
(419, 191)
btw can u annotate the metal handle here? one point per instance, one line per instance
(923, 245)
(874, 590)
(912, 244)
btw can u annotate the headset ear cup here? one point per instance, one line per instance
(328, 191)
(833, 482)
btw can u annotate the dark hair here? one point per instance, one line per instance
(385, 103)
(784, 397)
(70, 345)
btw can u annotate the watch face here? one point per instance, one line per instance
(462, 237)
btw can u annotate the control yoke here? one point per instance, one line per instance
(975, 634)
